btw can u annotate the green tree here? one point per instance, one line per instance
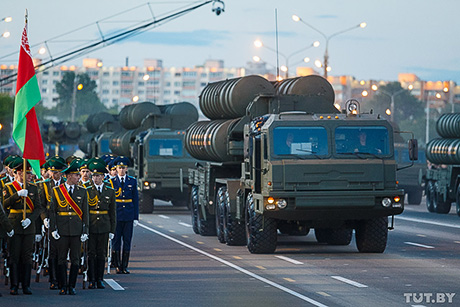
(6, 117)
(409, 112)
(86, 99)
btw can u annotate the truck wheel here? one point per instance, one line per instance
(220, 212)
(194, 209)
(457, 202)
(430, 193)
(340, 236)
(146, 202)
(440, 205)
(415, 197)
(260, 231)
(321, 235)
(206, 227)
(234, 230)
(371, 235)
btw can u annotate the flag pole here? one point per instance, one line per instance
(24, 167)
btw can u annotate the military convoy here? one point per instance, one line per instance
(280, 157)
(442, 179)
(152, 137)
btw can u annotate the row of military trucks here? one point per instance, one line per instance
(442, 178)
(152, 137)
(279, 157)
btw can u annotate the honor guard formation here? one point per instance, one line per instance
(76, 220)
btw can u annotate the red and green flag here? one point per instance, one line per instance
(26, 132)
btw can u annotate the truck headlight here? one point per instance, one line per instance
(153, 185)
(270, 206)
(386, 202)
(281, 203)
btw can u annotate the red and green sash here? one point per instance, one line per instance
(29, 202)
(70, 201)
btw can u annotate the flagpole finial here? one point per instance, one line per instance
(27, 15)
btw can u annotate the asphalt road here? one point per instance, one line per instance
(172, 266)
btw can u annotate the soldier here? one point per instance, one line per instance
(127, 213)
(69, 225)
(5, 225)
(9, 175)
(102, 215)
(55, 166)
(85, 180)
(112, 169)
(22, 243)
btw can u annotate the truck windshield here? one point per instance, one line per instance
(303, 141)
(165, 147)
(357, 140)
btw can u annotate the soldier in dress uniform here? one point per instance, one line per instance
(9, 175)
(85, 180)
(54, 166)
(69, 225)
(102, 216)
(21, 245)
(127, 200)
(5, 225)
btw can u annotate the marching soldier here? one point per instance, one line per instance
(127, 200)
(102, 216)
(69, 225)
(9, 175)
(5, 225)
(22, 243)
(54, 167)
(85, 180)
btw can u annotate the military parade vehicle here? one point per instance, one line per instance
(409, 179)
(442, 179)
(152, 137)
(281, 157)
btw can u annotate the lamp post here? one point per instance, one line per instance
(392, 99)
(74, 98)
(6, 34)
(428, 102)
(327, 38)
(259, 44)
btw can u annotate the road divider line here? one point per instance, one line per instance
(289, 260)
(419, 245)
(426, 222)
(244, 271)
(350, 282)
(163, 216)
(185, 224)
(112, 283)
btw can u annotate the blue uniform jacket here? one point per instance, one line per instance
(127, 199)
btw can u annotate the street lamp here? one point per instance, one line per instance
(392, 96)
(79, 87)
(428, 102)
(327, 38)
(259, 44)
(6, 34)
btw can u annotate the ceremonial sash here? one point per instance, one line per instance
(70, 201)
(47, 193)
(29, 202)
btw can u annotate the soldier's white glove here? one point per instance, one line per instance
(136, 222)
(46, 222)
(38, 238)
(111, 236)
(23, 193)
(55, 235)
(25, 223)
(84, 237)
(11, 233)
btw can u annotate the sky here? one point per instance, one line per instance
(402, 36)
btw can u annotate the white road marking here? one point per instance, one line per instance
(112, 283)
(244, 271)
(419, 245)
(350, 282)
(427, 222)
(163, 216)
(289, 260)
(185, 224)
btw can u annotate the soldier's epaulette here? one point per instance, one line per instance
(9, 183)
(108, 186)
(42, 181)
(131, 177)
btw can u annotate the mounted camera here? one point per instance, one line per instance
(218, 7)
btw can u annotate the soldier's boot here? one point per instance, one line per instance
(14, 278)
(73, 278)
(26, 281)
(91, 272)
(62, 278)
(100, 267)
(116, 261)
(52, 262)
(124, 262)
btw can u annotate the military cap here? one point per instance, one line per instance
(107, 157)
(69, 159)
(74, 167)
(111, 165)
(9, 159)
(60, 159)
(97, 159)
(17, 164)
(83, 163)
(56, 165)
(121, 160)
(97, 168)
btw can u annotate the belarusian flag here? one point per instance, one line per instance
(26, 132)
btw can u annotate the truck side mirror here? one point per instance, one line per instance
(413, 149)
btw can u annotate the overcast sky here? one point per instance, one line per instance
(413, 36)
